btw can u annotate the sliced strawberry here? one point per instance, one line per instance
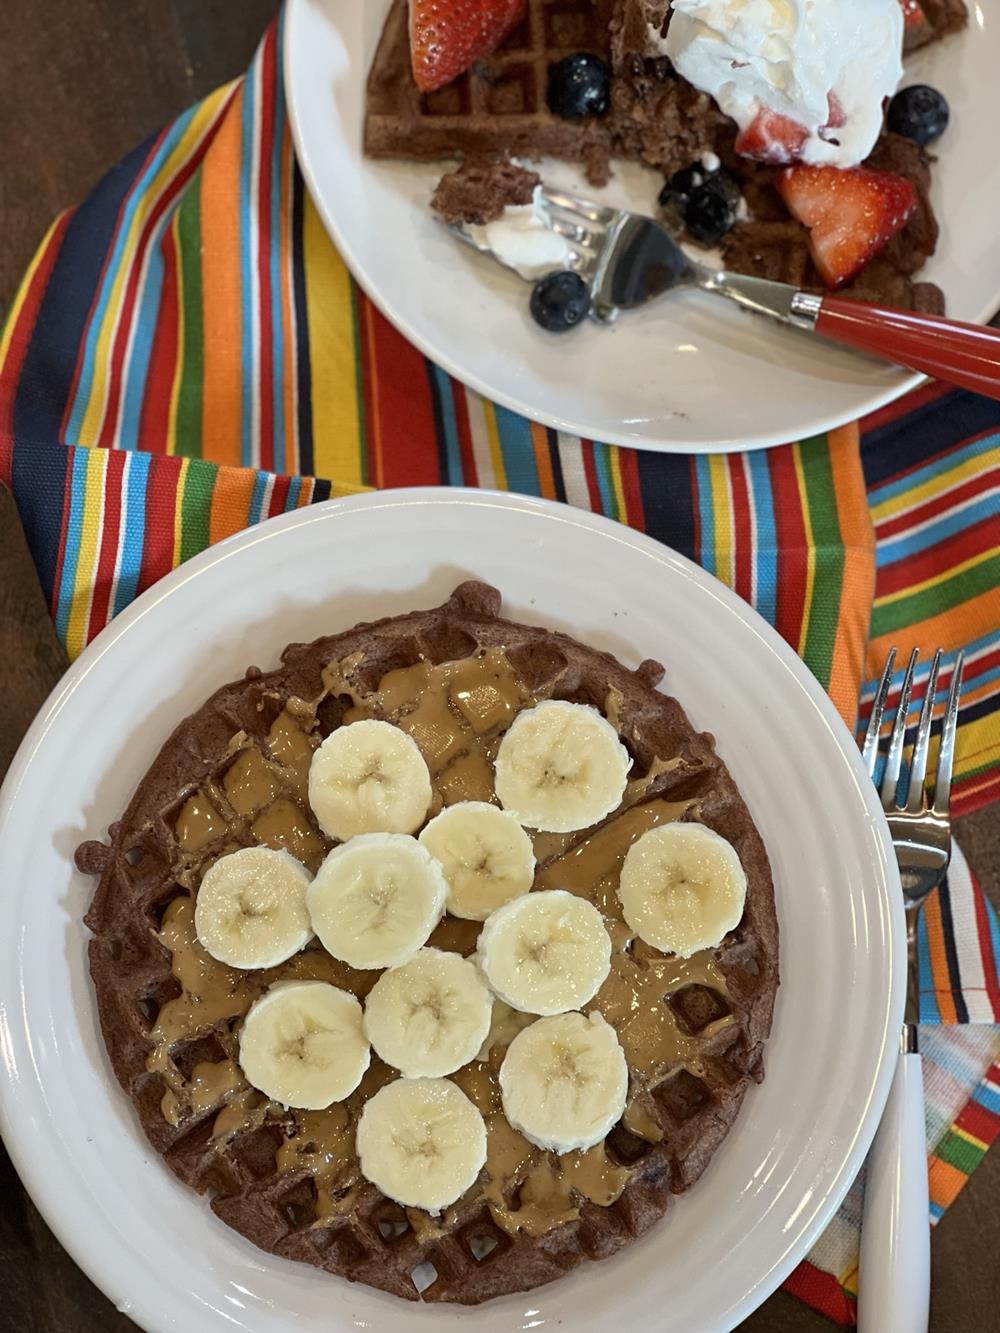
(447, 36)
(913, 15)
(916, 29)
(851, 215)
(772, 138)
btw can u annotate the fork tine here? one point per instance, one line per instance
(890, 779)
(946, 754)
(918, 763)
(585, 208)
(573, 231)
(869, 752)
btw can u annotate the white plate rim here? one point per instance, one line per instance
(46, 1193)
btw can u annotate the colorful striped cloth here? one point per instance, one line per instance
(187, 355)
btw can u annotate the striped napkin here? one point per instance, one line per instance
(188, 355)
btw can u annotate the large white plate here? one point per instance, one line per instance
(150, 1242)
(688, 374)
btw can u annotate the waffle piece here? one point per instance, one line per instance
(478, 191)
(499, 106)
(773, 245)
(232, 774)
(657, 117)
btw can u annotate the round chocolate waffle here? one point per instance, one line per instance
(234, 774)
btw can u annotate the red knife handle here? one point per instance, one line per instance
(964, 354)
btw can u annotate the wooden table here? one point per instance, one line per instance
(83, 81)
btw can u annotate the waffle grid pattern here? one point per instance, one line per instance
(373, 1240)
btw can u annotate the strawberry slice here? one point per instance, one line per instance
(851, 215)
(913, 15)
(772, 138)
(447, 36)
(916, 29)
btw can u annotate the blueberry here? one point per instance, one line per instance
(678, 188)
(920, 113)
(725, 184)
(559, 301)
(579, 86)
(709, 215)
(705, 202)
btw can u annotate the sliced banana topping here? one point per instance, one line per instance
(376, 899)
(545, 953)
(369, 777)
(430, 1016)
(486, 856)
(422, 1142)
(302, 1044)
(251, 908)
(561, 766)
(682, 888)
(564, 1081)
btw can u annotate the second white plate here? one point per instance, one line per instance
(687, 374)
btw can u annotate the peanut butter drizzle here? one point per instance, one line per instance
(250, 782)
(456, 712)
(505, 1024)
(198, 823)
(321, 1144)
(455, 934)
(633, 999)
(212, 996)
(639, 1122)
(285, 826)
(527, 1189)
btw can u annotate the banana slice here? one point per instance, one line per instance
(564, 1081)
(376, 899)
(303, 1044)
(682, 888)
(422, 1142)
(430, 1016)
(561, 767)
(369, 777)
(251, 908)
(486, 855)
(545, 953)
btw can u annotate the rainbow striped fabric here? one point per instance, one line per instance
(188, 355)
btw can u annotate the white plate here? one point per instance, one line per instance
(688, 374)
(151, 1243)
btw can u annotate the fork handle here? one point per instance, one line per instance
(964, 354)
(894, 1276)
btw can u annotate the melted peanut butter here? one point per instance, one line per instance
(198, 823)
(457, 713)
(639, 1122)
(633, 998)
(284, 825)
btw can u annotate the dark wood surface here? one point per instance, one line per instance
(83, 81)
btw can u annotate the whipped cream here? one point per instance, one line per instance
(520, 239)
(787, 57)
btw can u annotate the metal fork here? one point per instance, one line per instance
(894, 1277)
(628, 259)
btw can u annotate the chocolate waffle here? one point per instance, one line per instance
(233, 774)
(773, 245)
(499, 106)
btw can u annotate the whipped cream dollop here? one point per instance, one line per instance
(520, 239)
(814, 62)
